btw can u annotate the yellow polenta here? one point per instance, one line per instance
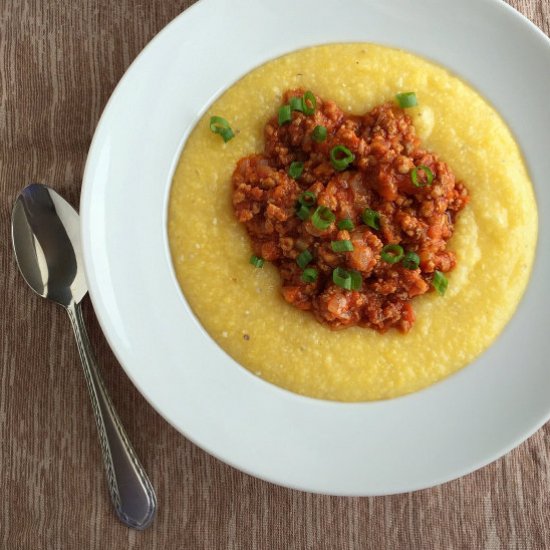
(242, 308)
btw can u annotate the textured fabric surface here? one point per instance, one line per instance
(59, 62)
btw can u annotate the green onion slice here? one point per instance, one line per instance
(307, 198)
(219, 125)
(322, 218)
(416, 179)
(356, 280)
(350, 280)
(341, 157)
(304, 258)
(392, 253)
(341, 246)
(285, 114)
(309, 275)
(342, 278)
(411, 260)
(406, 99)
(319, 134)
(310, 103)
(371, 218)
(302, 212)
(296, 104)
(346, 224)
(256, 261)
(295, 170)
(440, 282)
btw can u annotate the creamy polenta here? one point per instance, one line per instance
(242, 308)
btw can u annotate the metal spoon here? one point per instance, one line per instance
(46, 241)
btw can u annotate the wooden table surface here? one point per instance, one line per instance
(59, 62)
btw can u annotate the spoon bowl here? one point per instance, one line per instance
(46, 241)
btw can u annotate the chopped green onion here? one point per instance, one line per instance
(416, 180)
(302, 212)
(307, 198)
(256, 261)
(285, 115)
(341, 246)
(392, 253)
(411, 260)
(356, 280)
(371, 218)
(322, 218)
(227, 134)
(406, 99)
(342, 278)
(304, 258)
(350, 280)
(219, 125)
(297, 104)
(346, 224)
(338, 161)
(319, 134)
(309, 275)
(440, 282)
(295, 170)
(309, 97)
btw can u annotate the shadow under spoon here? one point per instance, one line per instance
(46, 241)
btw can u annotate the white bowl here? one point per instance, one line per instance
(375, 448)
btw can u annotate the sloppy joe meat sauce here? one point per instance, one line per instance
(419, 219)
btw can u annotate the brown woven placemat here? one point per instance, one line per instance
(59, 62)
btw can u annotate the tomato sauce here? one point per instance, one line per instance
(415, 196)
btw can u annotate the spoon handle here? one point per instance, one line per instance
(131, 491)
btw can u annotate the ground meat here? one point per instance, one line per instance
(419, 219)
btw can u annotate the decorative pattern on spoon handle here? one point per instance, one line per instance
(131, 491)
